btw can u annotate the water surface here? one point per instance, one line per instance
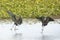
(29, 30)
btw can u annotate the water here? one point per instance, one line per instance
(29, 30)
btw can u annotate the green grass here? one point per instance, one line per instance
(30, 8)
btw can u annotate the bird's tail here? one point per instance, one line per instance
(12, 15)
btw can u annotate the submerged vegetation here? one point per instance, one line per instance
(30, 8)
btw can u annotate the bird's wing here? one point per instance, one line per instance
(12, 15)
(51, 19)
(20, 20)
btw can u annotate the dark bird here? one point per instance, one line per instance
(44, 20)
(16, 19)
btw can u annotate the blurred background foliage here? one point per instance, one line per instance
(30, 8)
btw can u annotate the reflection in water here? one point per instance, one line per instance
(29, 32)
(47, 37)
(17, 36)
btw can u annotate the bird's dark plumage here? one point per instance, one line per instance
(17, 20)
(45, 20)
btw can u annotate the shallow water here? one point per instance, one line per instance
(29, 30)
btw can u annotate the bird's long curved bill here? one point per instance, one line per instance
(12, 15)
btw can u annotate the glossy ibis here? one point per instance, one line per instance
(16, 19)
(45, 21)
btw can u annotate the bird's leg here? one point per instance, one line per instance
(12, 27)
(15, 27)
(42, 29)
(42, 32)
